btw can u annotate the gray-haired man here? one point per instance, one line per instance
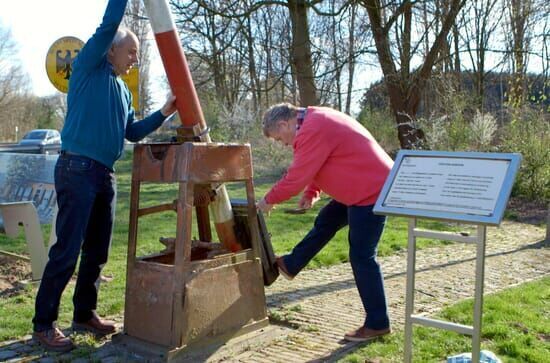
(99, 116)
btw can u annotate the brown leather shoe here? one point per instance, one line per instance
(282, 269)
(96, 325)
(53, 339)
(363, 334)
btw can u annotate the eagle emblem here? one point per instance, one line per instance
(63, 63)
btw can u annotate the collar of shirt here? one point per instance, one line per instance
(300, 116)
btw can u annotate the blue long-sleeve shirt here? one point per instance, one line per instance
(100, 113)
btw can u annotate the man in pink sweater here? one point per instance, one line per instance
(335, 154)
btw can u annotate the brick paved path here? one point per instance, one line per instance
(314, 310)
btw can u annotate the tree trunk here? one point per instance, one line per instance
(405, 89)
(301, 52)
(351, 58)
(456, 68)
(336, 62)
(254, 79)
(136, 23)
(520, 12)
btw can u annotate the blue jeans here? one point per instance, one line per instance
(86, 195)
(365, 230)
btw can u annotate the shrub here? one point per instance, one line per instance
(530, 135)
(447, 133)
(243, 125)
(381, 124)
(453, 132)
(483, 130)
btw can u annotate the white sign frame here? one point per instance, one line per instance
(497, 202)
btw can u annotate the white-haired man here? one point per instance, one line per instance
(99, 117)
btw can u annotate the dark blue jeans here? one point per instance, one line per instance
(365, 230)
(86, 194)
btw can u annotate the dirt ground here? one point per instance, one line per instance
(524, 211)
(13, 271)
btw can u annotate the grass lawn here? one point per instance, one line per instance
(516, 327)
(286, 230)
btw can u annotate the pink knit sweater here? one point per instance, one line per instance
(335, 154)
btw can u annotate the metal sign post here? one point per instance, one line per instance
(462, 187)
(410, 318)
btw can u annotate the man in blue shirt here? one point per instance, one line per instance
(99, 117)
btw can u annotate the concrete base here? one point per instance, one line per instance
(198, 351)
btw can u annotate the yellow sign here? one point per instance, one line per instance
(59, 62)
(132, 80)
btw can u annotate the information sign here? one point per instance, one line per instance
(472, 187)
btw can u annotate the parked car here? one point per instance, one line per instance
(43, 141)
(41, 137)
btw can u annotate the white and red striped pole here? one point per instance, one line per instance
(188, 105)
(175, 63)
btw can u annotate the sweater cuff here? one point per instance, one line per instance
(158, 114)
(268, 198)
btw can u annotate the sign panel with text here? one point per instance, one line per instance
(460, 186)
